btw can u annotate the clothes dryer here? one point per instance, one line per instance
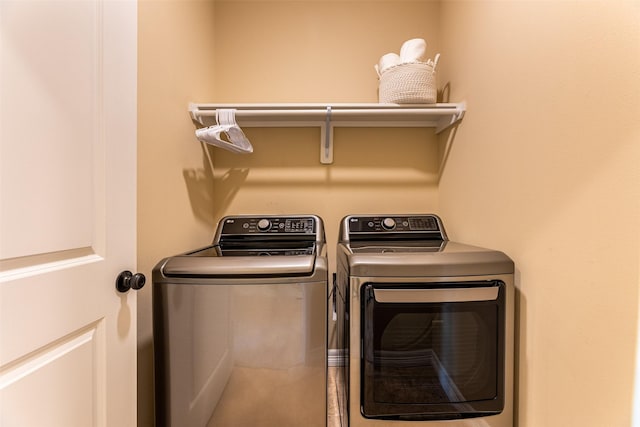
(428, 325)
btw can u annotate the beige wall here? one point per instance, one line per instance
(320, 51)
(312, 50)
(546, 166)
(175, 201)
(237, 51)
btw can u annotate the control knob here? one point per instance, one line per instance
(388, 223)
(264, 224)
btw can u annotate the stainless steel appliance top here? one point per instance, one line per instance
(411, 246)
(255, 246)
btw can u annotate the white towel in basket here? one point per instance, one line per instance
(413, 50)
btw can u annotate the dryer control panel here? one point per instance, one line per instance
(373, 227)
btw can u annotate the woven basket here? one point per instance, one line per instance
(409, 83)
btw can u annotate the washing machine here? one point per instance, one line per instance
(428, 326)
(240, 327)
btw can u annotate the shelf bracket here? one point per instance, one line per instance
(447, 122)
(194, 111)
(326, 140)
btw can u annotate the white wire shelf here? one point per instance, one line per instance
(327, 116)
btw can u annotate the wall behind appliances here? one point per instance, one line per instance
(545, 167)
(320, 51)
(175, 202)
(266, 51)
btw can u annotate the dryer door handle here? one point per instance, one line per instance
(436, 295)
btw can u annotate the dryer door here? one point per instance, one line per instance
(431, 351)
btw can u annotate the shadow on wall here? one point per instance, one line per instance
(291, 156)
(200, 187)
(445, 138)
(445, 143)
(374, 169)
(520, 350)
(401, 166)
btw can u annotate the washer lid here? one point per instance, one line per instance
(239, 266)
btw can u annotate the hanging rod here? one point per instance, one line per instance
(327, 116)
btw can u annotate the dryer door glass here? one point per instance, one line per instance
(432, 352)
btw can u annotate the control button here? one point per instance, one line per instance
(264, 224)
(388, 223)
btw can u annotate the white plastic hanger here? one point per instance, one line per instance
(226, 126)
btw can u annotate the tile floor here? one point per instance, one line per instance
(333, 414)
(268, 388)
(244, 415)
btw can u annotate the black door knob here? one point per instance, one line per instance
(127, 280)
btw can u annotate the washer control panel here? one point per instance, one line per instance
(246, 225)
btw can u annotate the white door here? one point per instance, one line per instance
(67, 212)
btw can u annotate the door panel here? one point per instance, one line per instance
(43, 376)
(49, 124)
(67, 212)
